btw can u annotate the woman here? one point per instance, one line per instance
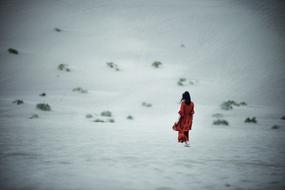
(185, 120)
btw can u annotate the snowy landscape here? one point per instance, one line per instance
(90, 91)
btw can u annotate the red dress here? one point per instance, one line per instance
(185, 122)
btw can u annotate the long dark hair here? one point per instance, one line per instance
(186, 97)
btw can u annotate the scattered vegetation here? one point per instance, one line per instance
(43, 107)
(106, 114)
(146, 104)
(221, 122)
(228, 105)
(18, 102)
(111, 120)
(63, 67)
(13, 51)
(275, 127)
(156, 64)
(88, 116)
(184, 82)
(57, 29)
(34, 116)
(218, 115)
(43, 94)
(113, 66)
(80, 89)
(99, 121)
(129, 117)
(250, 120)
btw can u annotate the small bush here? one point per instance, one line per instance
(184, 82)
(129, 117)
(228, 105)
(218, 115)
(250, 120)
(146, 104)
(88, 116)
(221, 122)
(63, 67)
(99, 121)
(43, 107)
(156, 64)
(182, 46)
(113, 66)
(34, 116)
(106, 114)
(111, 120)
(13, 51)
(57, 29)
(275, 127)
(43, 94)
(283, 117)
(18, 102)
(79, 89)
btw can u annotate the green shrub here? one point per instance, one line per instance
(79, 89)
(218, 115)
(106, 114)
(43, 107)
(57, 29)
(228, 105)
(34, 116)
(88, 116)
(111, 120)
(43, 94)
(275, 127)
(18, 102)
(13, 51)
(129, 117)
(146, 104)
(221, 122)
(99, 121)
(63, 67)
(156, 64)
(113, 66)
(250, 120)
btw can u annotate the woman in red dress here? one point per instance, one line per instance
(184, 124)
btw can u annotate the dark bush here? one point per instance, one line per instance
(146, 104)
(221, 122)
(283, 117)
(88, 116)
(63, 67)
(13, 51)
(43, 94)
(106, 114)
(275, 127)
(34, 116)
(18, 102)
(129, 117)
(43, 107)
(57, 29)
(218, 115)
(111, 120)
(250, 120)
(113, 66)
(99, 121)
(156, 64)
(79, 89)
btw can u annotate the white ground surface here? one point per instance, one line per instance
(233, 50)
